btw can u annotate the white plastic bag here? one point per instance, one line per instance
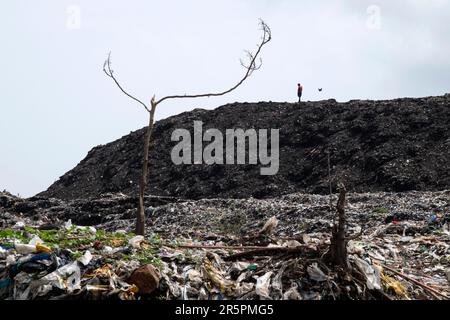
(86, 258)
(262, 285)
(372, 274)
(135, 242)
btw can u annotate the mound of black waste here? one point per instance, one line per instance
(394, 145)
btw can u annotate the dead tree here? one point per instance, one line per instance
(254, 64)
(338, 247)
(337, 254)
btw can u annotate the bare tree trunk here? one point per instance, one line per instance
(338, 247)
(140, 218)
(329, 180)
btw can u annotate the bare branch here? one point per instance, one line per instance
(107, 69)
(110, 73)
(250, 67)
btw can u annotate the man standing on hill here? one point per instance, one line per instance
(299, 92)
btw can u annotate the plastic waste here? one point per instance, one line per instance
(244, 288)
(108, 250)
(217, 279)
(202, 294)
(194, 277)
(372, 274)
(204, 272)
(68, 224)
(31, 264)
(42, 249)
(6, 246)
(277, 284)
(136, 241)
(394, 285)
(315, 273)
(174, 288)
(433, 219)
(21, 286)
(86, 258)
(24, 248)
(35, 240)
(292, 294)
(240, 266)
(263, 285)
(3, 253)
(11, 259)
(19, 225)
(67, 278)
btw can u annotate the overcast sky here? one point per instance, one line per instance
(56, 104)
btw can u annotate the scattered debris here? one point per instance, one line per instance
(406, 258)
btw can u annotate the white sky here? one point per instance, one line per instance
(56, 104)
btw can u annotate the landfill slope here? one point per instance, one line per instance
(393, 145)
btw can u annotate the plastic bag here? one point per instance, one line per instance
(372, 274)
(263, 285)
(67, 278)
(136, 241)
(86, 258)
(35, 240)
(24, 248)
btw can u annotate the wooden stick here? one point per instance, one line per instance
(424, 286)
(239, 247)
(266, 252)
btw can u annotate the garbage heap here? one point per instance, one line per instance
(74, 262)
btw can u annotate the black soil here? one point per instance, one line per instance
(396, 145)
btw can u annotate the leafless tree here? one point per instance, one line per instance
(254, 63)
(338, 247)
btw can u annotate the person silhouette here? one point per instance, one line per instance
(299, 92)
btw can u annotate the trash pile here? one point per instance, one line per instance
(234, 249)
(93, 265)
(294, 269)
(71, 263)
